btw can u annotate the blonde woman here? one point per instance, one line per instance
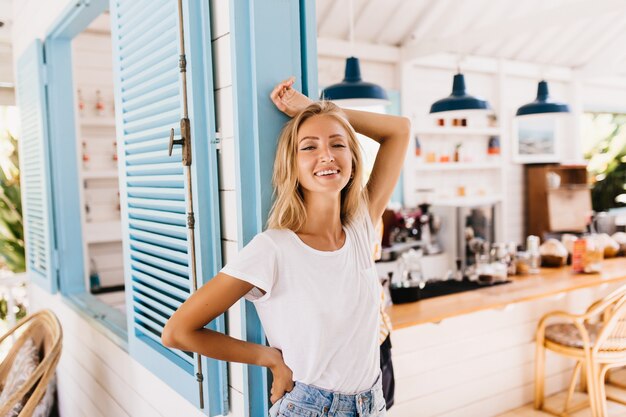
(310, 275)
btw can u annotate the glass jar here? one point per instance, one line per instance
(522, 263)
(587, 255)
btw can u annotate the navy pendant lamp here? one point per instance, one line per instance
(353, 90)
(459, 100)
(543, 103)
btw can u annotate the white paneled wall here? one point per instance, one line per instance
(96, 377)
(479, 364)
(220, 41)
(432, 80)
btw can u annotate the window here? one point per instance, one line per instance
(73, 162)
(604, 145)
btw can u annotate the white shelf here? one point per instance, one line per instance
(468, 201)
(459, 131)
(456, 166)
(103, 121)
(103, 232)
(100, 174)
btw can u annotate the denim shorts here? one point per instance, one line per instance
(310, 401)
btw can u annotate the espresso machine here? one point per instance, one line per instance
(469, 228)
(411, 228)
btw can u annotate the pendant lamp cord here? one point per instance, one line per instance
(351, 28)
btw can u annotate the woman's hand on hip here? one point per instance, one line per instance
(282, 376)
(289, 100)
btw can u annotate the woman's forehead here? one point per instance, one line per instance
(322, 126)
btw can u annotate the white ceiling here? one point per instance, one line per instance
(585, 35)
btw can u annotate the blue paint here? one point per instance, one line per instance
(269, 44)
(64, 164)
(36, 178)
(76, 17)
(139, 71)
(308, 48)
(205, 182)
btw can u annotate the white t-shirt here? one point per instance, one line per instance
(320, 308)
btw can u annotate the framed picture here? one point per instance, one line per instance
(536, 139)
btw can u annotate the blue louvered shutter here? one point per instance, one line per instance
(145, 38)
(35, 167)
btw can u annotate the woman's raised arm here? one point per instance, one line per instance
(393, 134)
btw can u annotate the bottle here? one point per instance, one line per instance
(493, 147)
(418, 147)
(99, 104)
(85, 156)
(457, 152)
(94, 277)
(87, 212)
(532, 247)
(81, 103)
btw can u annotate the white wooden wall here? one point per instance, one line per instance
(97, 378)
(431, 79)
(223, 83)
(479, 364)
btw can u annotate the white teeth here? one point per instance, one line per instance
(326, 172)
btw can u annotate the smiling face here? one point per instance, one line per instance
(324, 157)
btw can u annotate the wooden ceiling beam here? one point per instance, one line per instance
(366, 51)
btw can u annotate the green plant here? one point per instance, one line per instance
(11, 222)
(607, 161)
(4, 310)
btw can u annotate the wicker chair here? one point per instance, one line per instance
(45, 330)
(595, 339)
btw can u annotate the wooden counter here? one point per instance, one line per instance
(523, 288)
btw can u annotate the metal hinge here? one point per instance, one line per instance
(217, 140)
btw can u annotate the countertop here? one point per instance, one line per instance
(550, 281)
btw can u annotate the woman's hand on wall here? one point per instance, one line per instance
(289, 100)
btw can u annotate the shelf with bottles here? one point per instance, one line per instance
(477, 125)
(94, 108)
(448, 156)
(106, 266)
(102, 203)
(99, 156)
(459, 166)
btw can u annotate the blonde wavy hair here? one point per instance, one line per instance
(288, 211)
